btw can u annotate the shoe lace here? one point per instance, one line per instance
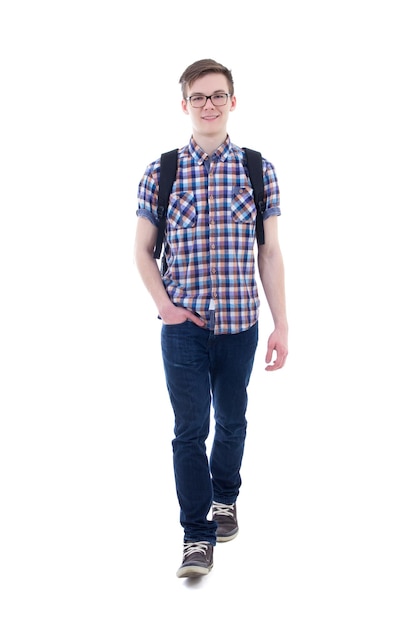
(223, 509)
(197, 546)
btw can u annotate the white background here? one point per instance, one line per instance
(89, 520)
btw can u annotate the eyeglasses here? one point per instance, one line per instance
(217, 100)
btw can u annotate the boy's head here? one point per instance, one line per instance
(201, 68)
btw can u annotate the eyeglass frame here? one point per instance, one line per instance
(201, 95)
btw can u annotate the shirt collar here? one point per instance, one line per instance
(200, 156)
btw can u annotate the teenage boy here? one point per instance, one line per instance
(208, 302)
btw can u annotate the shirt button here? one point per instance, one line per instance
(213, 271)
(212, 246)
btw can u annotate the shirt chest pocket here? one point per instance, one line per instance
(182, 211)
(243, 205)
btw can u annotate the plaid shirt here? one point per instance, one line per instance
(211, 234)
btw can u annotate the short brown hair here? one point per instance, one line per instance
(201, 68)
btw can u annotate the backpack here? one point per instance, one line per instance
(167, 176)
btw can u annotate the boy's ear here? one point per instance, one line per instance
(233, 103)
(184, 106)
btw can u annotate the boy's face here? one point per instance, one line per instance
(209, 119)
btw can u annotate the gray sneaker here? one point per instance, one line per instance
(197, 559)
(226, 518)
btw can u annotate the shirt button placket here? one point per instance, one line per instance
(212, 246)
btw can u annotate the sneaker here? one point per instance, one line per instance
(197, 560)
(225, 516)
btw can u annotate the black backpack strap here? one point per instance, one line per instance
(254, 161)
(167, 176)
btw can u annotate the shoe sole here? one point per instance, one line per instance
(193, 571)
(224, 538)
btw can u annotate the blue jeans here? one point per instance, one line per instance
(200, 368)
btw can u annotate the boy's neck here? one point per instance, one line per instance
(209, 143)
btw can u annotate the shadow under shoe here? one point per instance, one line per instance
(197, 559)
(226, 517)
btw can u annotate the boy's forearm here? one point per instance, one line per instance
(271, 271)
(151, 278)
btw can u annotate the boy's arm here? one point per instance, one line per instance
(148, 268)
(271, 271)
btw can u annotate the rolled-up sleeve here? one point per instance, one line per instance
(148, 194)
(271, 192)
